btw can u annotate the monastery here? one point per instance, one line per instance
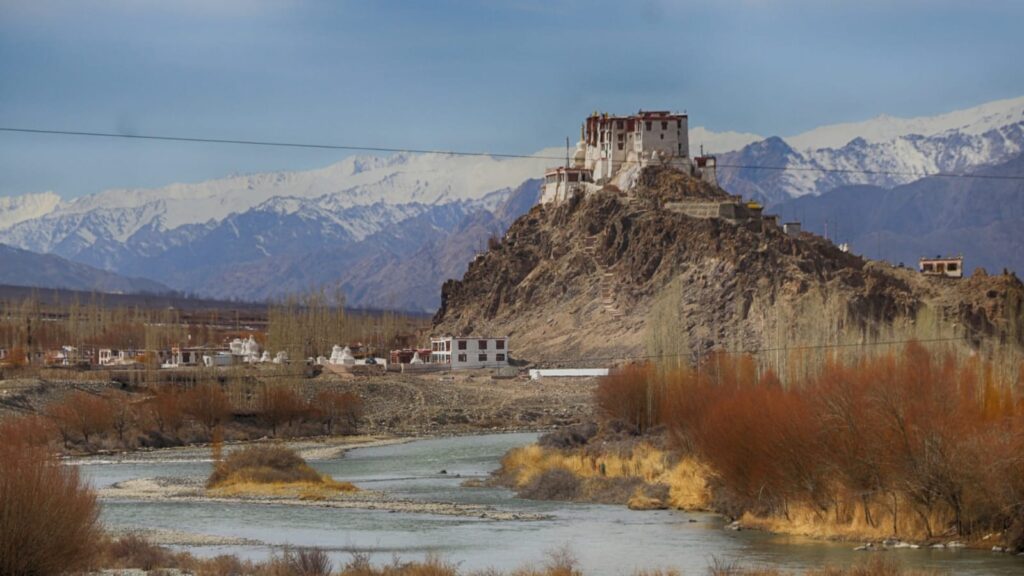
(613, 150)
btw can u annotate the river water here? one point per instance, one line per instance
(605, 539)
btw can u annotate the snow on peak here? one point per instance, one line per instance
(15, 209)
(719, 142)
(354, 181)
(971, 121)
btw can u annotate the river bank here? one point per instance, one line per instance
(191, 490)
(607, 539)
(644, 473)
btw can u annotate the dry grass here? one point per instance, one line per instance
(272, 471)
(686, 479)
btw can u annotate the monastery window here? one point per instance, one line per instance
(481, 357)
(481, 344)
(951, 267)
(500, 357)
(664, 125)
(620, 145)
(621, 136)
(662, 136)
(647, 125)
(462, 344)
(618, 124)
(462, 357)
(499, 344)
(928, 268)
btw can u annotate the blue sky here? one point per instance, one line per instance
(512, 76)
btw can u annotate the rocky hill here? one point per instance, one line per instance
(614, 276)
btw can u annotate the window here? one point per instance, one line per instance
(462, 357)
(951, 267)
(621, 136)
(618, 124)
(647, 126)
(620, 145)
(664, 125)
(928, 268)
(499, 344)
(662, 136)
(500, 357)
(481, 344)
(462, 344)
(482, 357)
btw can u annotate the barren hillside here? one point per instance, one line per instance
(614, 276)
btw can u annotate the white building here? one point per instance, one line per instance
(950, 266)
(466, 352)
(613, 149)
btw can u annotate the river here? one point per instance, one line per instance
(605, 539)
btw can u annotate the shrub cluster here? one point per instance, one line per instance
(173, 415)
(263, 465)
(898, 442)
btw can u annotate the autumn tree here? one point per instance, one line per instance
(343, 409)
(166, 410)
(207, 404)
(280, 404)
(84, 413)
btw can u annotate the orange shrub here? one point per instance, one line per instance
(48, 517)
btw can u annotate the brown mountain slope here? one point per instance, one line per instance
(613, 276)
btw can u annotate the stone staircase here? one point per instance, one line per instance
(607, 279)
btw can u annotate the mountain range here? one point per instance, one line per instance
(23, 268)
(389, 230)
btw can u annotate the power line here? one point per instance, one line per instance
(362, 148)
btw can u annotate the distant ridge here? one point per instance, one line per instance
(23, 268)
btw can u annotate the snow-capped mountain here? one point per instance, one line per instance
(390, 229)
(971, 122)
(190, 235)
(15, 209)
(884, 152)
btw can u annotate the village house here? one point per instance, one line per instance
(468, 352)
(949, 267)
(117, 357)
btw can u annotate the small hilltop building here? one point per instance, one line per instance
(949, 267)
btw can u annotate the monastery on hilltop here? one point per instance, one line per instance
(613, 150)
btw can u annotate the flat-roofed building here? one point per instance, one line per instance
(468, 352)
(949, 266)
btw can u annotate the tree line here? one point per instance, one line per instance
(911, 443)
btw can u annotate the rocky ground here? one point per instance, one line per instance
(189, 490)
(395, 404)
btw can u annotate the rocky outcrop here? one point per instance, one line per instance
(614, 276)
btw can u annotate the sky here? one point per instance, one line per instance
(484, 75)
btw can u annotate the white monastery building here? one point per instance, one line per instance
(466, 352)
(613, 150)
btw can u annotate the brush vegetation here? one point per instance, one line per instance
(911, 445)
(271, 471)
